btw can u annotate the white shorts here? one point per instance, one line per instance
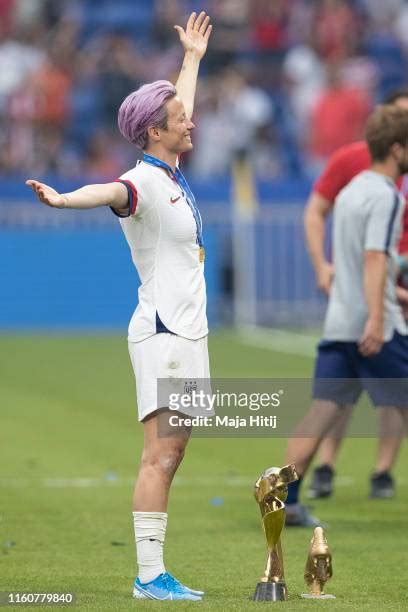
(166, 356)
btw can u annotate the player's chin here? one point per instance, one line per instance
(186, 146)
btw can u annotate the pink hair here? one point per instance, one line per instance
(143, 108)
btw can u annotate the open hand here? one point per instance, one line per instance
(47, 194)
(195, 37)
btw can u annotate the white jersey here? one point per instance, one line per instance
(162, 235)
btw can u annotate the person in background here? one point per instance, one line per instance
(343, 165)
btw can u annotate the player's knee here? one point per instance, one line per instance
(170, 460)
(165, 461)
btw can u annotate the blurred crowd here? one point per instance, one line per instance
(287, 81)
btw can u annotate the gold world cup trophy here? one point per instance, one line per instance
(271, 491)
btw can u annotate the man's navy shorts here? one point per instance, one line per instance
(342, 373)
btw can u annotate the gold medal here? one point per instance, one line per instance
(201, 254)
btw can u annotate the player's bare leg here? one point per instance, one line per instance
(163, 451)
(307, 436)
(331, 444)
(322, 480)
(393, 425)
(302, 447)
(161, 457)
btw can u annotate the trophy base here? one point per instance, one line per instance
(270, 591)
(311, 596)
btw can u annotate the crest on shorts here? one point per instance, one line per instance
(190, 386)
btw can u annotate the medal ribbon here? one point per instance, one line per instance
(185, 188)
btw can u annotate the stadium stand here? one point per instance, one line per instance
(94, 51)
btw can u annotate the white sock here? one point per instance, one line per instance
(150, 531)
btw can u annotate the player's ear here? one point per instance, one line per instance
(153, 133)
(396, 151)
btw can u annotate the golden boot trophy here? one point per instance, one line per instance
(318, 568)
(271, 490)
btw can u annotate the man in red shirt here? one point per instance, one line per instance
(338, 118)
(344, 164)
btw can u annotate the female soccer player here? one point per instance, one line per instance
(168, 331)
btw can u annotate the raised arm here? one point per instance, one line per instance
(90, 196)
(194, 40)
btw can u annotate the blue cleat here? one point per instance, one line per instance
(164, 587)
(186, 588)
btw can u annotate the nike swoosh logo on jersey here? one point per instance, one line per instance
(174, 200)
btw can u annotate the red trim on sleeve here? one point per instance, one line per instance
(135, 197)
(132, 208)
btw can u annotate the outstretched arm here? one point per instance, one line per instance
(194, 40)
(90, 196)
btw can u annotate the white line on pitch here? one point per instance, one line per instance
(280, 341)
(180, 481)
(86, 483)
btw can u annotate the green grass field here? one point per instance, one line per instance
(70, 445)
